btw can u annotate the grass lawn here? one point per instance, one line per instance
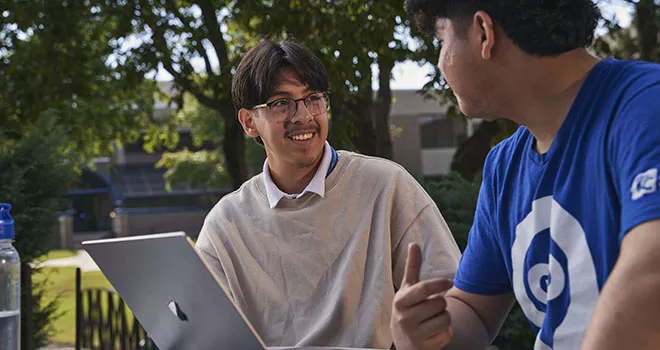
(62, 281)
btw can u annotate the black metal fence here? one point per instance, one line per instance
(104, 322)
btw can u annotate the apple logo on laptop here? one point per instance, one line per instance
(176, 310)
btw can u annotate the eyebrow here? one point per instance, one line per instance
(286, 93)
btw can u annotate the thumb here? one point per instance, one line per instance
(413, 265)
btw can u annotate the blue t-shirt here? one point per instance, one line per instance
(549, 227)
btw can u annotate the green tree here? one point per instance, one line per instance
(33, 179)
(200, 42)
(639, 41)
(65, 98)
(56, 55)
(173, 35)
(204, 167)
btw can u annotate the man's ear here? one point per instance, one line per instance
(483, 28)
(246, 118)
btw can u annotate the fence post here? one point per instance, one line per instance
(110, 319)
(99, 319)
(90, 318)
(124, 324)
(98, 330)
(78, 308)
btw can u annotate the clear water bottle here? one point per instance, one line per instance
(10, 284)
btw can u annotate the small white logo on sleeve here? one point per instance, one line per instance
(644, 183)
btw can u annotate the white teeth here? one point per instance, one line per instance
(302, 137)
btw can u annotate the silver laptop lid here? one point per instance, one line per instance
(172, 293)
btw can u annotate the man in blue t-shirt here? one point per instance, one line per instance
(568, 216)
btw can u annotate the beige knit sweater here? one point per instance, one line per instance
(323, 271)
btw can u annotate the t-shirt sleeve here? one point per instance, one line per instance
(635, 157)
(482, 268)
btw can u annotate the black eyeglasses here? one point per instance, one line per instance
(316, 103)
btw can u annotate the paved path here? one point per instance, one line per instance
(81, 259)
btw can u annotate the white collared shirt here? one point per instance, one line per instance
(316, 185)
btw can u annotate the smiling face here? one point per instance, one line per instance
(291, 141)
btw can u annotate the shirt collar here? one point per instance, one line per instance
(316, 185)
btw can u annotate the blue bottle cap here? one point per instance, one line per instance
(6, 222)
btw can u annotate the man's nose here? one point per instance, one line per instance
(302, 114)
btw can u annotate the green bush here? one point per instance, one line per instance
(33, 176)
(457, 200)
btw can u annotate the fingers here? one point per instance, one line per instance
(419, 292)
(427, 324)
(434, 326)
(419, 311)
(412, 319)
(424, 310)
(413, 265)
(439, 340)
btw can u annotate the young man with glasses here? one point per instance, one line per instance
(313, 249)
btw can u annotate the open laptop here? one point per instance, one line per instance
(173, 294)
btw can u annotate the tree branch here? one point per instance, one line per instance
(214, 33)
(181, 78)
(173, 6)
(188, 85)
(207, 61)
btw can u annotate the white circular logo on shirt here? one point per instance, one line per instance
(553, 269)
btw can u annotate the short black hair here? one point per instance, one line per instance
(538, 27)
(255, 78)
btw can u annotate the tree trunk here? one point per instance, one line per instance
(471, 154)
(365, 137)
(647, 28)
(233, 147)
(381, 109)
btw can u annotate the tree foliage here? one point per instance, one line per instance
(199, 43)
(64, 100)
(33, 179)
(639, 41)
(54, 55)
(201, 169)
(173, 35)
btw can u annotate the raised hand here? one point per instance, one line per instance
(420, 320)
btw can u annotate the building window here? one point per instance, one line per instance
(438, 131)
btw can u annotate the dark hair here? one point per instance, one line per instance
(538, 27)
(255, 78)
